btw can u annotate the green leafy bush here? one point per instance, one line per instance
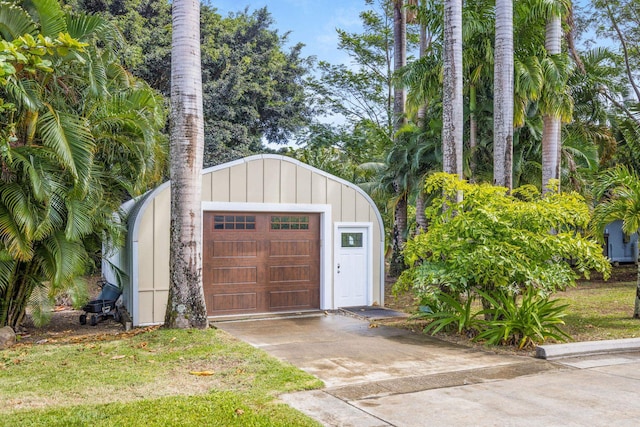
(484, 241)
(534, 319)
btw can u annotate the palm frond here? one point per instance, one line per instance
(48, 14)
(20, 219)
(62, 260)
(40, 305)
(15, 22)
(7, 267)
(70, 138)
(79, 217)
(87, 28)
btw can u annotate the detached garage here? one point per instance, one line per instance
(278, 236)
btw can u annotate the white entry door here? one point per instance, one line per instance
(352, 273)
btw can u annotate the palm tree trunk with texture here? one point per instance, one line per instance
(186, 304)
(503, 96)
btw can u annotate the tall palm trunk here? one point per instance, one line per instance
(421, 217)
(186, 305)
(452, 102)
(424, 43)
(399, 100)
(552, 128)
(399, 61)
(473, 131)
(503, 96)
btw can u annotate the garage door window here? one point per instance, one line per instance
(289, 222)
(234, 222)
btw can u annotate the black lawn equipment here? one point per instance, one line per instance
(104, 306)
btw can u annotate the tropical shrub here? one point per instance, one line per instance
(481, 239)
(522, 321)
(78, 136)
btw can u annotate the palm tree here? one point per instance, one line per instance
(503, 96)
(478, 64)
(556, 102)
(186, 306)
(452, 97)
(620, 187)
(552, 131)
(399, 100)
(55, 197)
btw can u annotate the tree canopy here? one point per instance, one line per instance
(253, 81)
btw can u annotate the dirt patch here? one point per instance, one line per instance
(623, 273)
(65, 322)
(65, 326)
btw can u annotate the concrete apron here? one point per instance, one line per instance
(360, 364)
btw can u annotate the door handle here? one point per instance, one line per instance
(338, 268)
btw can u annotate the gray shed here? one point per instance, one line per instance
(620, 247)
(278, 236)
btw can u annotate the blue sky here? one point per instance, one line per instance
(312, 22)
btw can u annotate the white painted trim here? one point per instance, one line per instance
(326, 278)
(134, 270)
(368, 227)
(148, 324)
(382, 276)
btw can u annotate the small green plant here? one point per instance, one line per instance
(451, 313)
(534, 320)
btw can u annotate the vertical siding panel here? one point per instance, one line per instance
(287, 182)
(334, 198)
(303, 189)
(220, 186)
(161, 233)
(145, 307)
(206, 188)
(145, 249)
(238, 183)
(362, 209)
(348, 203)
(271, 182)
(255, 176)
(318, 189)
(160, 299)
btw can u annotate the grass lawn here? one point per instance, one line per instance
(601, 311)
(154, 378)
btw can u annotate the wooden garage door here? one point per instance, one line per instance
(261, 262)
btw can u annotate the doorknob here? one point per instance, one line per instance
(338, 268)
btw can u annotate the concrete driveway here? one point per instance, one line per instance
(384, 376)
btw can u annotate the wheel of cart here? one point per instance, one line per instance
(102, 307)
